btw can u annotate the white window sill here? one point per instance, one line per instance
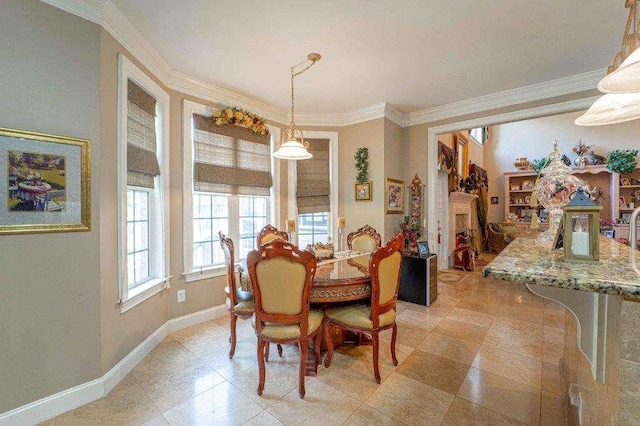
(143, 292)
(202, 274)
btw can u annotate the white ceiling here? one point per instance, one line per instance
(414, 54)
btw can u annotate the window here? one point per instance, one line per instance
(143, 158)
(228, 181)
(311, 199)
(480, 134)
(313, 228)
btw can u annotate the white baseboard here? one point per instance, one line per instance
(61, 402)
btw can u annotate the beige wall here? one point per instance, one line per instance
(393, 169)
(49, 284)
(533, 139)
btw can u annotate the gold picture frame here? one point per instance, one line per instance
(48, 183)
(363, 191)
(394, 196)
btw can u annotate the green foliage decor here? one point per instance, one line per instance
(362, 165)
(540, 163)
(622, 160)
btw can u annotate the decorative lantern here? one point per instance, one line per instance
(581, 229)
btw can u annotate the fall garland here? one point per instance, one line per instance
(242, 118)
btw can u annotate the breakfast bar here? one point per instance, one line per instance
(594, 292)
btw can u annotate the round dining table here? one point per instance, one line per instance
(342, 279)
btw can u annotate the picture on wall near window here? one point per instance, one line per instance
(394, 196)
(363, 191)
(47, 180)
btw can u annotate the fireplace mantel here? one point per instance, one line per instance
(460, 203)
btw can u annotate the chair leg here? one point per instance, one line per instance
(304, 348)
(376, 349)
(266, 352)
(329, 340)
(260, 354)
(316, 346)
(232, 337)
(394, 334)
(280, 350)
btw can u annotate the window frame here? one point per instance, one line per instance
(159, 244)
(333, 182)
(192, 273)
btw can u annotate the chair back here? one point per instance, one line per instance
(384, 267)
(364, 239)
(270, 233)
(227, 248)
(282, 276)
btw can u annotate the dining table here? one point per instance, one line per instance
(342, 279)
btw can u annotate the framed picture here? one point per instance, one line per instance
(48, 183)
(423, 248)
(494, 200)
(528, 185)
(394, 196)
(625, 181)
(622, 202)
(625, 218)
(363, 191)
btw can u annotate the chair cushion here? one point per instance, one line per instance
(240, 295)
(364, 243)
(243, 306)
(286, 331)
(359, 316)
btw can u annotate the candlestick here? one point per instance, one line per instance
(341, 222)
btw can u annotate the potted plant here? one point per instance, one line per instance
(622, 160)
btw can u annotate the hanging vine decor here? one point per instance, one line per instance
(362, 164)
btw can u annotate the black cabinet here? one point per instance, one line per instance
(419, 279)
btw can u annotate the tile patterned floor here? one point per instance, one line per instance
(485, 353)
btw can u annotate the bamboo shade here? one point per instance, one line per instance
(142, 161)
(313, 179)
(230, 159)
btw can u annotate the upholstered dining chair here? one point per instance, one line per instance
(239, 303)
(282, 276)
(384, 268)
(270, 233)
(364, 239)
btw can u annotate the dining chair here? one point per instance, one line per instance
(380, 315)
(282, 276)
(239, 303)
(270, 233)
(364, 239)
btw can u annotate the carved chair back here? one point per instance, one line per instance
(364, 239)
(282, 276)
(384, 267)
(227, 248)
(270, 233)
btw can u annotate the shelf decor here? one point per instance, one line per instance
(581, 229)
(622, 160)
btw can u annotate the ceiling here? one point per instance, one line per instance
(414, 54)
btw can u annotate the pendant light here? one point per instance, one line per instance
(292, 145)
(622, 84)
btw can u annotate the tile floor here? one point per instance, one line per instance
(486, 353)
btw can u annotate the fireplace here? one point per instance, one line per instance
(459, 210)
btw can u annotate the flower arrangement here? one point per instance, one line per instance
(362, 164)
(242, 118)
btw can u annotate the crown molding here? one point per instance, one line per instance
(534, 92)
(105, 13)
(91, 10)
(191, 86)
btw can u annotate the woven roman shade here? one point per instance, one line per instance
(313, 179)
(230, 159)
(142, 161)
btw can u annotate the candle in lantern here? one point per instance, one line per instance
(342, 222)
(291, 226)
(580, 243)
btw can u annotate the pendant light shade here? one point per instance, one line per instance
(611, 109)
(292, 150)
(626, 79)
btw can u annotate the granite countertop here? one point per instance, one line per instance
(617, 272)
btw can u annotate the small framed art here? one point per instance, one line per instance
(363, 191)
(394, 196)
(423, 248)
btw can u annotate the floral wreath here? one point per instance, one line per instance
(242, 118)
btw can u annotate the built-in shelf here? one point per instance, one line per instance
(519, 205)
(629, 186)
(521, 190)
